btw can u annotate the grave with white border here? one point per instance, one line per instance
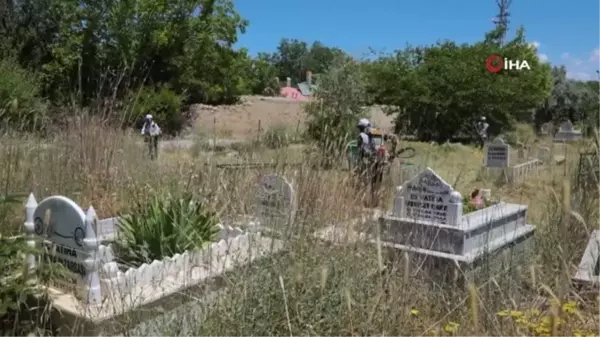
(428, 221)
(101, 292)
(497, 159)
(588, 271)
(567, 133)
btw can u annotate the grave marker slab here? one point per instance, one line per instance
(497, 154)
(275, 201)
(65, 228)
(427, 197)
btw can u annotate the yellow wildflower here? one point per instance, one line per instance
(570, 307)
(515, 313)
(451, 327)
(502, 313)
(414, 312)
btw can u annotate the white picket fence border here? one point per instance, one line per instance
(103, 281)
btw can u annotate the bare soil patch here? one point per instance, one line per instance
(241, 121)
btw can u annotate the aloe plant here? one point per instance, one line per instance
(163, 227)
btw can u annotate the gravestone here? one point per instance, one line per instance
(546, 128)
(567, 133)
(588, 271)
(544, 154)
(275, 202)
(427, 197)
(497, 154)
(69, 239)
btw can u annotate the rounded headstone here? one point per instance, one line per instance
(66, 225)
(275, 201)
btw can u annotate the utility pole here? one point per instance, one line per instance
(501, 19)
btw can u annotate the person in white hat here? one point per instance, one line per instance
(482, 127)
(151, 131)
(364, 143)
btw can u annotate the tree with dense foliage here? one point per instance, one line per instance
(441, 91)
(108, 55)
(339, 103)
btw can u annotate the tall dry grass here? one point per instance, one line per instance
(312, 287)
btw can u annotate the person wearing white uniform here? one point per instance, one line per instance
(365, 150)
(364, 143)
(482, 127)
(151, 131)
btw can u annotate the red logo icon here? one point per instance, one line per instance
(494, 63)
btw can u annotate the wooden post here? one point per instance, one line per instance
(258, 132)
(214, 133)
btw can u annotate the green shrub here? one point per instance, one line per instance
(20, 103)
(277, 137)
(337, 107)
(162, 103)
(163, 227)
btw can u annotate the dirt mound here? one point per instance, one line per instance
(241, 121)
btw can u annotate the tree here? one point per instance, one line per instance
(291, 59)
(569, 99)
(442, 90)
(338, 104)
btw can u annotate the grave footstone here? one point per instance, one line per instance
(497, 154)
(275, 202)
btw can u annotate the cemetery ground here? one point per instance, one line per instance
(314, 287)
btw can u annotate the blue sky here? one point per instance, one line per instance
(565, 32)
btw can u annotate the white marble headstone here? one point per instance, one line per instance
(275, 201)
(427, 197)
(66, 228)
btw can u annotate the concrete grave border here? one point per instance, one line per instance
(109, 292)
(590, 262)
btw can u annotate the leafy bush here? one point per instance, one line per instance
(277, 137)
(339, 102)
(162, 103)
(163, 227)
(20, 102)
